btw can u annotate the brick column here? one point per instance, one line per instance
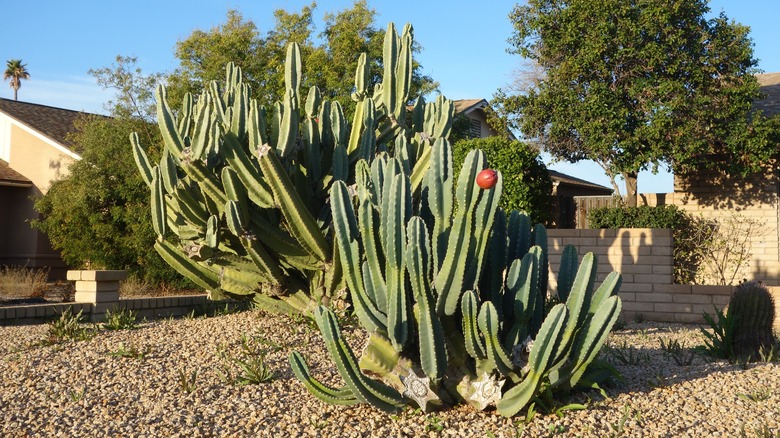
(99, 288)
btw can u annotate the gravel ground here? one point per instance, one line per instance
(76, 389)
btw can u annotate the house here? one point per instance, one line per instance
(718, 196)
(34, 151)
(565, 187)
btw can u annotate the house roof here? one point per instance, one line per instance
(52, 122)
(770, 85)
(568, 179)
(10, 177)
(465, 106)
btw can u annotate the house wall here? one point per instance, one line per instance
(42, 162)
(716, 196)
(36, 159)
(487, 131)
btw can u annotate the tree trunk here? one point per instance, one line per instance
(631, 193)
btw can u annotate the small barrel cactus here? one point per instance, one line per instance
(754, 312)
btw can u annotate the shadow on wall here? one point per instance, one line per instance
(720, 191)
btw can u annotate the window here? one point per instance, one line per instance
(476, 129)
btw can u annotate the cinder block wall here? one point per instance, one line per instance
(644, 257)
(715, 195)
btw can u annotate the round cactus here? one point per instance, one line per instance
(754, 312)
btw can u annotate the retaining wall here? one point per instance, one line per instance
(150, 308)
(644, 257)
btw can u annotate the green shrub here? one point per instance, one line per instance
(527, 184)
(691, 234)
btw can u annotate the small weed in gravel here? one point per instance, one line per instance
(68, 327)
(121, 320)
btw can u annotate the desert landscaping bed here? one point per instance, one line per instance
(172, 386)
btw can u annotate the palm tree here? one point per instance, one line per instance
(16, 71)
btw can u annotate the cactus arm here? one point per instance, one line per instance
(256, 186)
(497, 356)
(158, 204)
(390, 61)
(203, 124)
(539, 360)
(474, 345)
(421, 165)
(395, 212)
(185, 116)
(588, 343)
(345, 227)
(497, 263)
(365, 389)
(609, 287)
(519, 235)
(238, 123)
(567, 272)
(440, 198)
(449, 281)
(368, 226)
(433, 355)
(368, 140)
(190, 209)
(299, 220)
(357, 127)
(577, 303)
(293, 71)
(191, 269)
(521, 285)
(379, 356)
(141, 159)
(540, 240)
(336, 396)
(288, 126)
(483, 223)
(340, 160)
(207, 181)
(167, 122)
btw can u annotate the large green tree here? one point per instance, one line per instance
(635, 85)
(329, 59)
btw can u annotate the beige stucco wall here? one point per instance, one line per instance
(42, 162)
(36, 159)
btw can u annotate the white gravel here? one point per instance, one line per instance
(76, 389)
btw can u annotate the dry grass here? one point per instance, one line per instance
(133, 287)
(19, 282)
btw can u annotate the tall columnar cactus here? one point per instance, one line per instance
(240, 196)
(453, 293)
(752, 308)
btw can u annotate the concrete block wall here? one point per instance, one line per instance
(715, 195)
(643, 256)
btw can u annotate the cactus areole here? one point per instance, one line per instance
(487, 179)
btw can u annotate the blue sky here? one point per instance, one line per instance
(464, 45)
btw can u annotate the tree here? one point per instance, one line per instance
(98, 215)
(527, 184)
(329, 65)
(16, 71)
(637, 85)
